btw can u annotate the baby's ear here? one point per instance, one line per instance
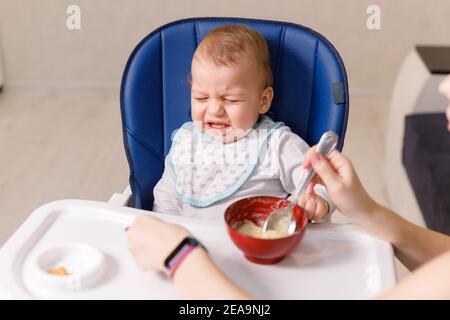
(266, 100)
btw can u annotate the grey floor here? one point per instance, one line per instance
(68, 144)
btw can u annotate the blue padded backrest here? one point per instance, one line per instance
(310, 83)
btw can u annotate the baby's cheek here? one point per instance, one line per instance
(196, 113)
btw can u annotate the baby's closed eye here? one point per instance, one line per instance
(201, 98)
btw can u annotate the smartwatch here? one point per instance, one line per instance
(184, 248)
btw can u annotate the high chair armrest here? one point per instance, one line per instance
(121, 199)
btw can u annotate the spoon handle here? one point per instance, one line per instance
(327, 143)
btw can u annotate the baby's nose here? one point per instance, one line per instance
(215, 107)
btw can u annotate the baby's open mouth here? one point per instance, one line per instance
(221, 126)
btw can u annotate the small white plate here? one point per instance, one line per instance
(64, 267)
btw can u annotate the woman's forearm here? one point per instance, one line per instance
(412, 244)
(198, 277)
(431, 281)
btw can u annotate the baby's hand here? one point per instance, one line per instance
(315, 206)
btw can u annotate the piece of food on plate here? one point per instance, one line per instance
(59, 271)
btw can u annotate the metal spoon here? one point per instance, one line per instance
(282, 219)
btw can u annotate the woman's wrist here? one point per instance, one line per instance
(190, 263)
(397, 230)
(180, 253)
(382, 223)
(369, 216)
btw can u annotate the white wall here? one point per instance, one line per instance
(40, 51)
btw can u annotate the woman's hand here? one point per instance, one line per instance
(342, 183)
(151, 240)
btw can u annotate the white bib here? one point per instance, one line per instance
(205, 170)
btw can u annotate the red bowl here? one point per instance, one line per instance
(256, 209)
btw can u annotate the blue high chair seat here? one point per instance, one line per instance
(310, 84)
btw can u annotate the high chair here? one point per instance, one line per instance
(310, 84)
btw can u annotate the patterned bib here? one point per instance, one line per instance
(205, 170)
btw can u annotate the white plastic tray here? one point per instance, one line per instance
(332, 261)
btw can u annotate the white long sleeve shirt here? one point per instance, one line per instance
(276, 174)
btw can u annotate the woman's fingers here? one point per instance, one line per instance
(324, 170)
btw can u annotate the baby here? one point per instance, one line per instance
(231, 149)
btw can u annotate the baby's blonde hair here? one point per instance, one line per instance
(225, 45)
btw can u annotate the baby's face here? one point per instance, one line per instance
(227, 100)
